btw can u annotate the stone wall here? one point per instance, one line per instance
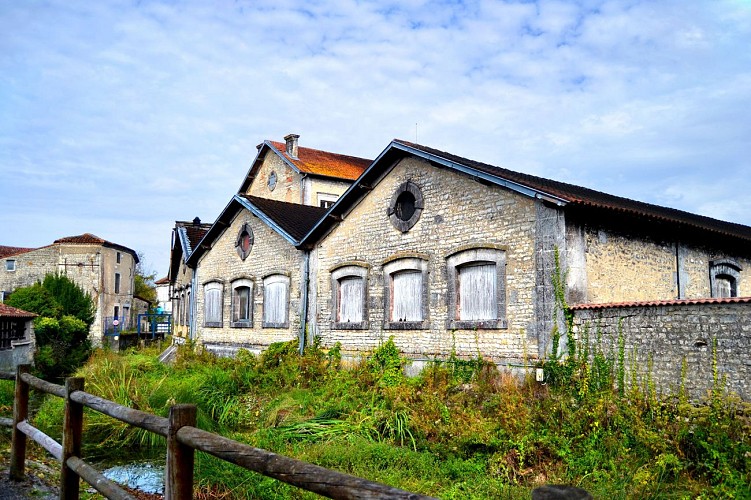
(459, 213)
(288, 182)
(664, 336)
(270, 254)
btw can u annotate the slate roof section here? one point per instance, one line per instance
(589, 198)
(317, 162)
(191, 233)
(657, 303)
(7, 311)
(296, 220)
(11, 251)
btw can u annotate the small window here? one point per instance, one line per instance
(10, 265)
(242, 303)
(117, 312)
(476, 289)
(272, 181)
(325, 200)
(244, 241)
(724, 277)
(117, 282)
(118, 257)
(276, 301)
(212, 304)
(406, 206)
(406, 294)
(348, 286)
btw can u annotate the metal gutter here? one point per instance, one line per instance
(306, 285)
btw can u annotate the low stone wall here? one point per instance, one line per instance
(668, 333)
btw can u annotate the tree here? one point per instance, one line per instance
(62, 329)
(143, 281)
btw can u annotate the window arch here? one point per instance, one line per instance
(476, 288)
(276, 301)
(242, 303)
(349, 284)
(406, 294)
(724, 278)
(212, 304)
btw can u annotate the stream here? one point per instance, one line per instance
(147, 477)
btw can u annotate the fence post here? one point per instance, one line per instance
(20, 413)
(179, 480)
(72, 430)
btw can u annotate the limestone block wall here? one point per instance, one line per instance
(30, 267)
(663, 337)
(458, 213)
(318, 185)
(270, 254)
(288, 182)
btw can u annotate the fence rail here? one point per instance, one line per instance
(183, 438)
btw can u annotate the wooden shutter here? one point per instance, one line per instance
(350, 299)
(213, 305)
(275, 302)
(406, 296)
(477, 292)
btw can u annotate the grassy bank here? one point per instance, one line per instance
(460, 430)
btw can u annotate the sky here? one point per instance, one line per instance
(119, 117)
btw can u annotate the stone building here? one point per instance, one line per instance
(103, 269)
(17, 341)
(449, 255)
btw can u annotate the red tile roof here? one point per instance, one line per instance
(656, 303)
(7, 311)
(162, 281)
(86, 238)
(316, 162)
(10, 251)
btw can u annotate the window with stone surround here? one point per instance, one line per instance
(242, 303)
(724, 276)
(212, 304)
(10, 265)
(276, 301)
(406, 206)
(476, 288)
(244, 241)
(349, 297)
(406, 294)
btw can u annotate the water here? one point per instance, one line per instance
(144, 476)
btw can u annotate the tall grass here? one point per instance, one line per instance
(459, 430)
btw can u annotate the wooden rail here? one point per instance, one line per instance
(183, 438)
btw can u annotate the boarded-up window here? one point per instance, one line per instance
(724, 286)
(351, 294)
(406, 296)
(275, 293)
(213, 304)
(242, 295)
(477, 292)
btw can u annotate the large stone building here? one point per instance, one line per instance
(103, 269)
(449, 255)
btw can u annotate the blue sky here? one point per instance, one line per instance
(119, 117)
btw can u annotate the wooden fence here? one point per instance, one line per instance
(183, 438)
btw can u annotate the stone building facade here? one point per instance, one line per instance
(17, 340)
(448, 256)
(103, 269)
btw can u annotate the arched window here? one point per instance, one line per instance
(276, 301)
(406, 293)
(212, 304)
(724, 277)
(477, 288)
(349, 292)
(242, 303)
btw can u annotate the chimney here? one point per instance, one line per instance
(291, 141)
(196, 221)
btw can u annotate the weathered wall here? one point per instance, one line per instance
(22, 351)
(664, 336)
(270, 254)
(288, 182)
(181, 300)
(613, 265)
(317, 185)
(458, 212)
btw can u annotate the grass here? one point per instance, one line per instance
(462, 429)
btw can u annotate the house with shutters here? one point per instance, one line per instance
(450, 255)
(101, 268)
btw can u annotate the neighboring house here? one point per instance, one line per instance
(185, 238)
(17, 341)
(103, 269)
(453, 256)
(163, 297)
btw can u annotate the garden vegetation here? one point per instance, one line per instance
(461, 429)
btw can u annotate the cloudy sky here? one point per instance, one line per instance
(119, 117)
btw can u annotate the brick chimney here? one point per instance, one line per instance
(291, 141)
(196, 221)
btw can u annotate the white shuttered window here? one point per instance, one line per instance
(213, 304)
(406, 296)
(275, 293)
(477, 292)
(351, 293)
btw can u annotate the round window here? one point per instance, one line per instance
(272, 181)
(406, 206)
(244, 241)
